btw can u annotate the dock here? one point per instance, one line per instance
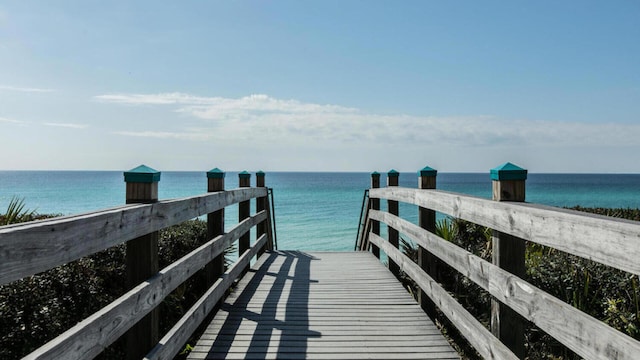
(321, 305)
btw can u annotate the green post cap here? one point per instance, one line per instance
(142, 174)
(375, 174)
(393, 173)
(508, 171)
(215, 174)
(244, 175)
(260, 173)
(427, 171)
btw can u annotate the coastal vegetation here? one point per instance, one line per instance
(17, 213)
(607, 294)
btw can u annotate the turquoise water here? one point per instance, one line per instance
(314, 211)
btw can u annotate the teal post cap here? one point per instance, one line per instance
(427, 171)
(260, 173)
(375, 174)
(508, 171)
(393, 173)
(215, 174)
(142, 174)
(244, 175)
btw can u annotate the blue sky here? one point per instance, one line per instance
(553, 86)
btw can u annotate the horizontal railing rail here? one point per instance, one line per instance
(30, 248)
(487, 345)
(173, 341)
(108, 324)
(609, 241)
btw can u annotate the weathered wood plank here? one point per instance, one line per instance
(336, 356)
(580, 332)
(487, 345)
(33, 247)
(318, 341)
(610, 241)
(91, 336)
(340, 341)
(339, 349)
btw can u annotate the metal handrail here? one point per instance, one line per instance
(365, 205)
(273, 219)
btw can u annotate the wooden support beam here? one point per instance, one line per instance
(509, 254)
(141, 260)
(215, 226)
(375, 205)
(244, 211)
(427, 221)
(393, 235)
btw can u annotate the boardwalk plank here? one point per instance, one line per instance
(299, 305)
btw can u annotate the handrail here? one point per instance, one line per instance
(134, 305)
(29, 248)
(171, 343)
(569, 231)
(361, 220)
(272, 216)
(480, 338)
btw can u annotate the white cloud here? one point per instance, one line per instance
(153, 99)
(193, 136)
(12, 121)
(204, 105)
(67, 125)
(25, 89)
(265, 119)
(26, 123)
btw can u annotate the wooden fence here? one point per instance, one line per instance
(30, 248)
(613, 242)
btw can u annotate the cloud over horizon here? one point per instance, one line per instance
(13, 121)
(258, 117)
(67, 125)
(25, 89)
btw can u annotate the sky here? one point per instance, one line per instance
(460, 86)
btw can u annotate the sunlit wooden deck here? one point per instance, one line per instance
(321, 305)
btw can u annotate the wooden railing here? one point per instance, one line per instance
(613, 242)
(30, 248)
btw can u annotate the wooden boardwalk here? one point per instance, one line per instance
(321, 305)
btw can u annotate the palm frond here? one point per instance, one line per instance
(446, 229)
(16, 212)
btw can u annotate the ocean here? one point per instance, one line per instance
(314, 211)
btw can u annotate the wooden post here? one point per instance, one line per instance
(375, 205)
(261, 204)
(244, 211)
(392, 206)
(141, 260)
(509, 254)
(427, 221)
(215, 226)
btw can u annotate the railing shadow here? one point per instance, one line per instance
(291, 280)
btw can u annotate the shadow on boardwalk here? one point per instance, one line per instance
(261, 311)
(332, 305)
